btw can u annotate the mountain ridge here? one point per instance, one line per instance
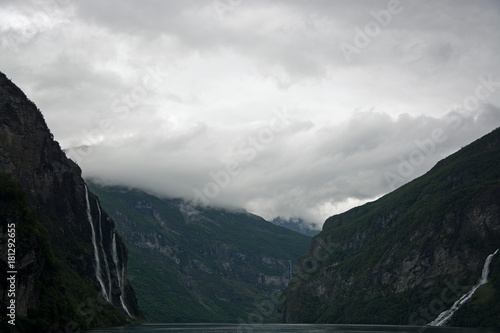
(391, 256)
(45, 201)
(219, 262)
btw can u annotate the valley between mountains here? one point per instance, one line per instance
(191, 263)
(90, 255)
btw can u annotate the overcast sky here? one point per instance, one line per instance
(292, 108)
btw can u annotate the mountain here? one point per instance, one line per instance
(201, 264)
(66, 264)
(408, 256)
(296, 224)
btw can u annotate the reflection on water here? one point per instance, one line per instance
(283, 328)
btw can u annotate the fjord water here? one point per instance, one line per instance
(285, 328)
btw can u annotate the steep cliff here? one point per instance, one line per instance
(410, 255)
(69, 264)
(202, 264)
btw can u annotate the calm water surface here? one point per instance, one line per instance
(283, 328)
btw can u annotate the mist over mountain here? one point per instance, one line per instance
(185, 89)
(297, 224)
(193, 155)
(381, 262)
(194, 263)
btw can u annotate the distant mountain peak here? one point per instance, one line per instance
(297, 224)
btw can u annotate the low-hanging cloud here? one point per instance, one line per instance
(305, 170)
(181, 100)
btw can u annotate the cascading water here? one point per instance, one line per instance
(120, 272)
(123, 292)
(115, 256)
(106, 264)
(98, 272)
(446, 315)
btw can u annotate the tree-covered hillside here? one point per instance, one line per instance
(390, 258)
(200, 264)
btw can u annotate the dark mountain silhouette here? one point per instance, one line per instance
(411, 254)
(70, 264)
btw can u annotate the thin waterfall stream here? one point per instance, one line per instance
(106, 264)
(446, 315)
(98, 271)
(120, 273)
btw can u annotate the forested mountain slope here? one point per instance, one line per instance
(411, 254)
(200, 264)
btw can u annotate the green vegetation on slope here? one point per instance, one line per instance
(483, 310)
(61, 288)
(387, 264)
(199, 264)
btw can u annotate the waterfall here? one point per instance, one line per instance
(120, 274)
(115, 254)
(98, 272)
(446, 315)
(486, 268)
(122, 287)
(106, 264)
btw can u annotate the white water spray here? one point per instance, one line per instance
(120, 274)
(98, 272)
(115, 254)
(106, 264)
(446, 315)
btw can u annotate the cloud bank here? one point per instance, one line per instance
(257, 104)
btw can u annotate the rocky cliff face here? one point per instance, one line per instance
(410, 255)
(193, 263)
(65, 244)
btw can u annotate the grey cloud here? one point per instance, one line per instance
(274, 53)
(293, 178)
